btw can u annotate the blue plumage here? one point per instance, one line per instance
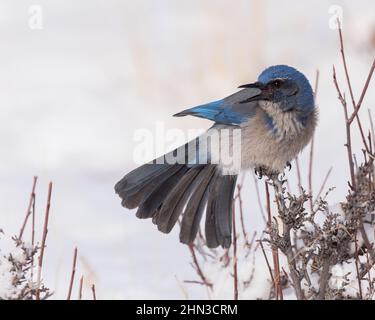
(218, 111)
(282, 85)
(305, 96)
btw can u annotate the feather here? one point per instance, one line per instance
(224, 209)
(136, 186)
(172, 207)
(210, 228)
(149, 207)
(195, 206)
(230, 110)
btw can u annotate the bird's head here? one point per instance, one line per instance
(286, 87)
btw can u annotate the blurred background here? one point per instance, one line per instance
(78, 81)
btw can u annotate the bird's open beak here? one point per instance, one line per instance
(257, 84)
(263, 95)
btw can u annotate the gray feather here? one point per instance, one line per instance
(224, 208)
(210, 224)
(196, 204)
(148, 208)
(140, 182)
(173, 205)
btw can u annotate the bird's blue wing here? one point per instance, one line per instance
(228, 111)
(215, 111)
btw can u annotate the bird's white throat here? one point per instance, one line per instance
(285, 124)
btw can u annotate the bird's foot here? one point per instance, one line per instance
(288, 165)
(260, 172)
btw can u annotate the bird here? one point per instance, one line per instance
(273, 119)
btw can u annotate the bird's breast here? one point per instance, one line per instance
(273, 138)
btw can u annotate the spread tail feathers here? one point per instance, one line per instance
(163, 192)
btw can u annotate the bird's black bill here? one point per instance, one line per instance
(257, 84)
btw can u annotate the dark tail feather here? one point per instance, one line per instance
(224, 209)
(137, 185)
(210, 224)
(174, 204)
(218, 224)
(163, 192)
(149, 208)
(195, 206)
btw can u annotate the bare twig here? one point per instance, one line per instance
(357, 266)
(298, 175)
(311, 157)
(29, 207)
(44, 238)
(323, 279)
(359, 104)
(348, 122)
(259, 200)
(93, 292)
(355, 107)
(372, 128)
(348, 132)
(323, 184)
(80, 288)
(72, 274)
(240, 204)
(286, 238)
(235, 275)
(268, 264)
(197, 266)
(275, 254)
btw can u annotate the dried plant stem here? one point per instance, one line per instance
(258, 198)
(299, 175)
(275, 254)
(33, 236)
(197, 266)
(80, 288)
(235, 274)
(357, 266)
(29, 207)
(348, 122)
(355, 107)
(364, 90)
(44, 238)
(311, 157)
(268, 264)
(372, 128)
(71, 282)
(93, 292)
(323, 184)
(324, 278)
(240, 204)
(348, 132)
(286, 239)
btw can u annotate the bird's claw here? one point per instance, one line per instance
(289, 165)
(259, 172)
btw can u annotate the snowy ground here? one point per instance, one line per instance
(72, 94)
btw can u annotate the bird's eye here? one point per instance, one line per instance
(277, 83)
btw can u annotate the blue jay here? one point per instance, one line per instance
(276, 117)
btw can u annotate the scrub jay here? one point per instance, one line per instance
(275, 118)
